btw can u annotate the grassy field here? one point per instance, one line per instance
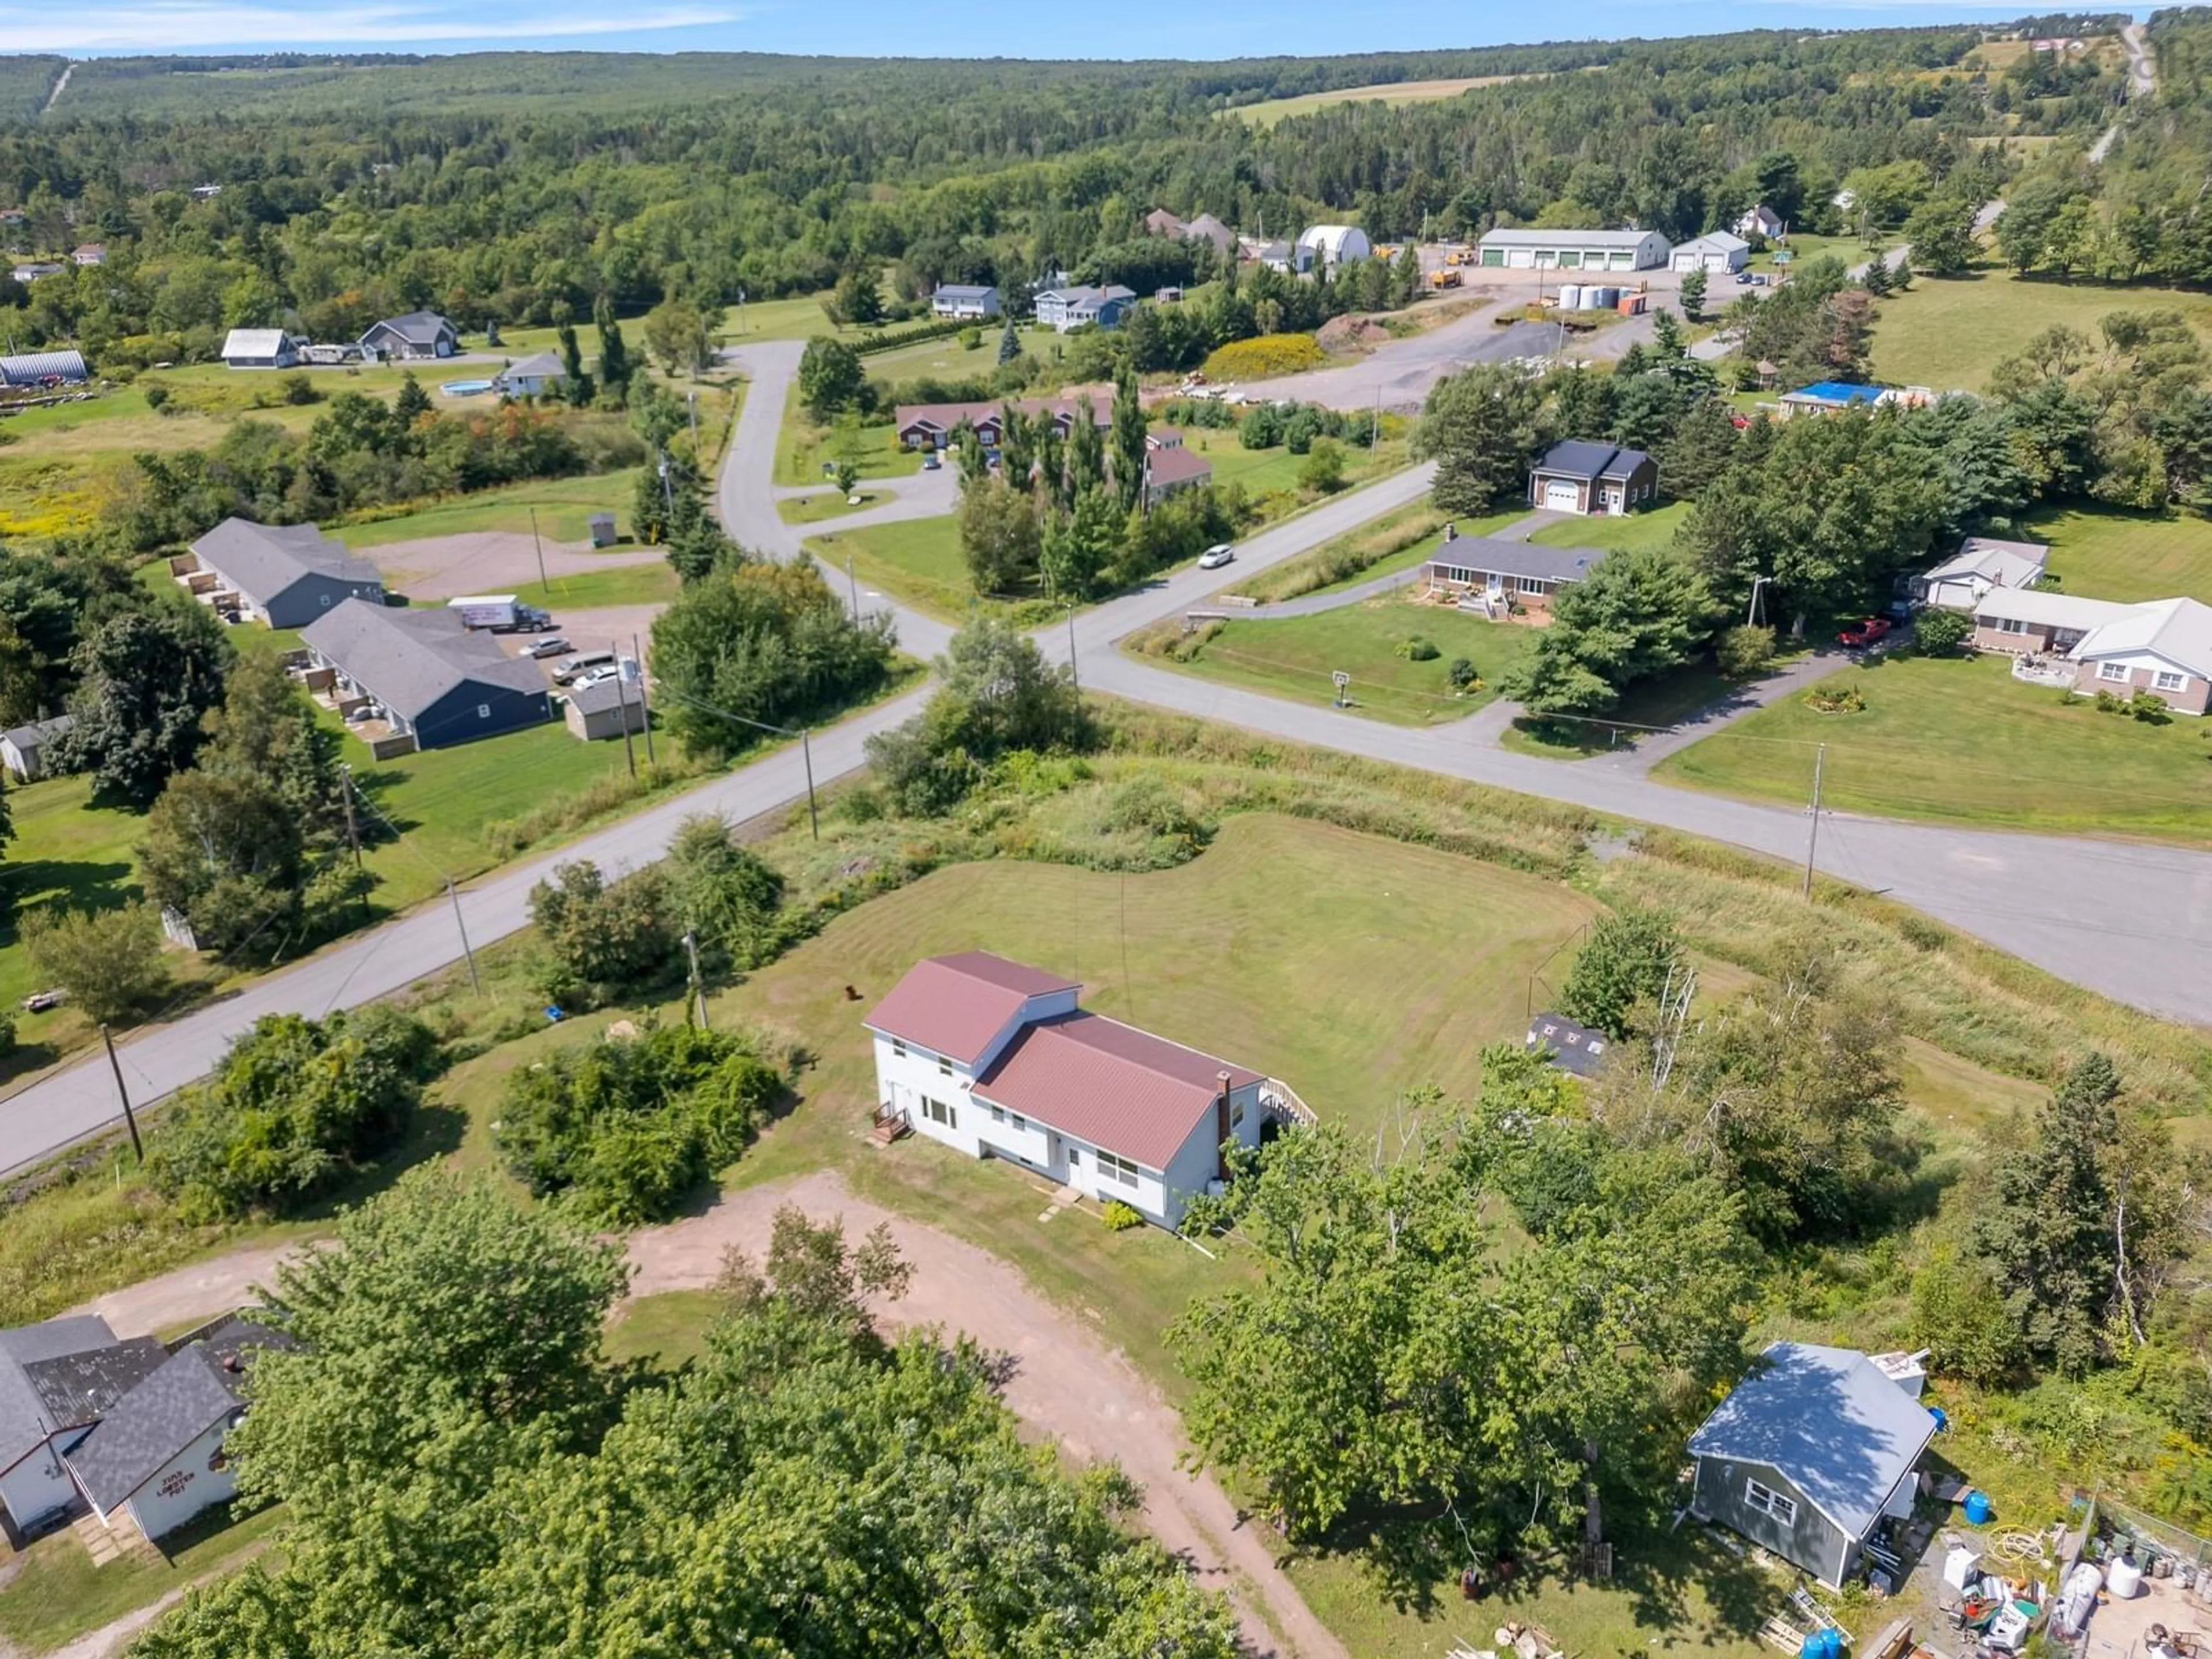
(1636, 531)
(2104, 553)
(1272, 110)
(1667, 701)
(1356, 552)
(802, 448)
(1801, 247)
(1962, 742)
(628, 584)
(564, 509)
(824, 505)
(1949, 332)
(800, 318)
(947, 359)
(916, 562)
(1293, 658)
(59, 1594)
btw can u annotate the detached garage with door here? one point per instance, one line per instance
(1593, 478)
(1718, 252)
(1574, 250)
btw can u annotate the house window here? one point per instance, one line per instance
(938, 1112)
(944, 1066)
(1237, 1115)
(1117, 1169)
(1075, 1157)
(1767, 1501)
(1020, 1122)
(2167, 680)
(2112, 671)
(1531, 585)
(898, 1048)
(2011, 625)
(998, 1115)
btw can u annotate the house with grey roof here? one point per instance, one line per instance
(605, 709)
(534, 376)
(1490, 575)
(1075, 307)
(1576, 476)
(1808, 1453)
(1981, 564)
(155, 1456)
(39, 1417)
(285, 576)
(971, 301)
(425, 673)
(260, 347)
(419, 334)
(26, 752)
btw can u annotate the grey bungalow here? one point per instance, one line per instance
(1808, 1454)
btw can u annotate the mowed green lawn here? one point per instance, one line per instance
(1294, 657)
(917, 562)
(1949, 332)
(564, 509)
(1962, 741)
(1636, 531)
(59, 1594)
(2104, 553)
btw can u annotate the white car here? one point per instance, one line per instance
(1216, 556)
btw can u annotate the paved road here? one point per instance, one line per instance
(2142, 81)
(2121, 919)
(1397, 376)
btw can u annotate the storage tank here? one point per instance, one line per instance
(1570, 296)
(2124, 1578)
(1607, 298)
(1978, 1509)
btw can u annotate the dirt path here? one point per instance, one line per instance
(1067, 1382)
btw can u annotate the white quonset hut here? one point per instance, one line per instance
(994, 1059)
(1574, 250)
(1332, 246)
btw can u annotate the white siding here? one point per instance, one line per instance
(186, 1486)
(38, 1482)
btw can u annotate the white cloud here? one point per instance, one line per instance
(155, 26)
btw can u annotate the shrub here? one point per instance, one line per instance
(1745, 650)
(1460, 674)
(1836, 700)
(603, 938)
(1939, 633)
(1119, 1217)
(1323, 471)
(1264, 357)
(298, 389)
(627, 1127)
(6, 1034)
(971, 339)
(2150, 708)
(155, 395)
(1418, 648)
(296, 1106)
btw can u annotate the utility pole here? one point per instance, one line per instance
(698, 991)
(1074, 675)
(855, 583)
(137, 1147)
(462, 927)
(621, 696)
(1758, 586)
(806, 752)
(1812, 841)
(695, 423)
(645, 713)
(345, 794)
(545, 586)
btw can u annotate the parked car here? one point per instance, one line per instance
(550, 647)
(1744, 279)
(1216, 556)
(931, 461)
(39, 1001)
(597, 676)
(1862, 633)
(571, 667)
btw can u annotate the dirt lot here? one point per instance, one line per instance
(491, 562)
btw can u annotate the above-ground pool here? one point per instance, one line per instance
(466, 388)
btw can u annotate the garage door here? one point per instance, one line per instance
(1560, 495)
(1493, 255)
(1624, 261)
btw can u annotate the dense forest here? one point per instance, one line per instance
(707, 178)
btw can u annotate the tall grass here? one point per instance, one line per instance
(1346, 557)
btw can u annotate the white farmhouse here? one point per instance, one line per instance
(996, 1060)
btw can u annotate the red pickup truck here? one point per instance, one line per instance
(1862, 633)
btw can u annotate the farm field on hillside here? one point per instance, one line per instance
(1949, 332)
(1293, 657)
(1962, 741)
(1388, 92)
(2104, 553)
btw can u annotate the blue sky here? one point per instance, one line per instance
(1128, 28)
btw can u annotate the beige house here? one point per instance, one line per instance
(2163, 648)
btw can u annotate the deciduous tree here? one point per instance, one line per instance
(1482, 427)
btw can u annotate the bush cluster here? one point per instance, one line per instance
(1264, 356)
(627, 1127)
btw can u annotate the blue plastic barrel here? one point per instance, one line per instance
(1978, 1510)
(1942, 1421)
(1815, 1646)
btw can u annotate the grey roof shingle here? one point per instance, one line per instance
(23, 1423)
(1540, 563)
(409, 660)
(76, 1389)
(29, 739)
(596, 699)
(188, 1396)
(1842, 1433)
(262, 560)
(420, 328)
(1579, 459)
(542, 366)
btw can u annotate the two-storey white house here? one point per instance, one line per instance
(995, 1059)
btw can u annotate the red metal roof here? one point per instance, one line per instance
(955, 1004)
(1111, 1085)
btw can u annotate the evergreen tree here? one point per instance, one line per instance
(411, 404)
(1129, 451)
(615, 366)
(1010, 344)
